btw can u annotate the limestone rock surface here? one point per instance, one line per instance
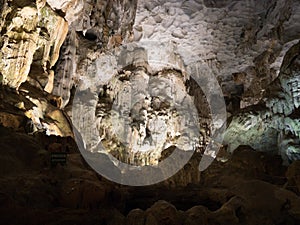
(273, 125)
(32, 35)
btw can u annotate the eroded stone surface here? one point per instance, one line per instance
(139, 101)
(142, 114)
(98, 26)
(244, 43)
(32, 35)
(241, 41)
(272, 126)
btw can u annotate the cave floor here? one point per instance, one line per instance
(250, 188)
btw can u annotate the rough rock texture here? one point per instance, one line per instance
(32, 35)
(138, 114)
(153, 121)
(137, 106)
(250, 47)
(243, 42)
(36, 112)
(98, 26)
(273, 125)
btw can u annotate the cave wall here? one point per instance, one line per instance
(50, 48)
(243, 42)
(32, 35)
(273, 124)
(100, 26)
(44, 46)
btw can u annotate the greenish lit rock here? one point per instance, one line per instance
(273, 126)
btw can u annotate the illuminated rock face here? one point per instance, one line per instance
(243, 42)
(95, 26)
(32, 35)
(274, 125)
(140, 114)
(139, 102)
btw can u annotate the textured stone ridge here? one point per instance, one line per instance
(32, 35)
(138, 105)
(97, 26)
(243, 42)
(139, 115)
(31, 38)
(273, 125)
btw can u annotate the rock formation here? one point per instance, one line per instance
(273, 125)
(32, 35)
(133, 81)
